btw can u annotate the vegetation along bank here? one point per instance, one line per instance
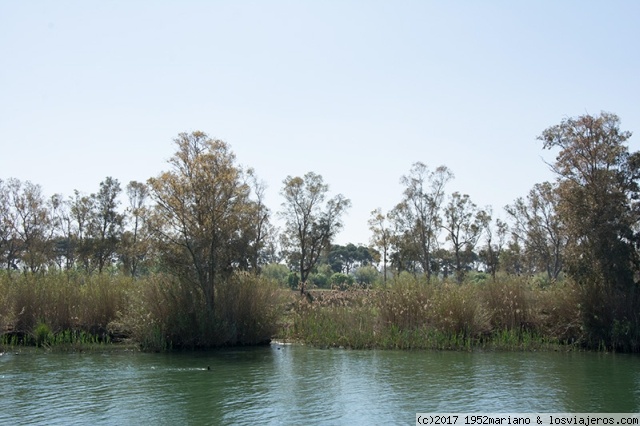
(192, 260)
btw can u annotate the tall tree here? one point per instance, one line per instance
(63, 223)
(598, 193)
(81, 209)
(34, 225)
(9, 243)
(345, 258)
(495, 240)
(107, 222)
(538, 225)
(259, 233)
(464, 224)
(381, 237)
(418, 215)
(135, 241)
(311, 221)
(200, 206)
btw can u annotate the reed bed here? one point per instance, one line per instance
(157, 312)
(512, 314)
(160, 312)
(38, 309)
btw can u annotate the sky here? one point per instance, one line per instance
(356, 91)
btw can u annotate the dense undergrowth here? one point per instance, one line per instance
(507, 314)
(155, 313)
(158, 313)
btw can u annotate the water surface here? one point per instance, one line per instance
(301, 385)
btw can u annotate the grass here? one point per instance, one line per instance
(509, 314)
(60, 311)
(157, 313)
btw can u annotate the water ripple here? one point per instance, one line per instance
(295, 385)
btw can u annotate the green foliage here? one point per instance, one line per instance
(311, 220)
(278, 273)
(478, 277)
(597, 193)
(319, 280)
(345, 258)
(42, 334)
(293, 280)
(367, 275)
(340, 280)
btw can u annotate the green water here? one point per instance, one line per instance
(301, 385)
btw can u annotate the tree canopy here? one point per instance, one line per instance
(203, 214)
(311, 221)
(597, 205)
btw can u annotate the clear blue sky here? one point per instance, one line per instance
(353, 90)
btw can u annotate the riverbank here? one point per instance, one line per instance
(158, 312)
(501, 315)
(66, 312)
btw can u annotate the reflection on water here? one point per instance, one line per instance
(297, 385)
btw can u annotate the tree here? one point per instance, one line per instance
(310, 222)
(81, 209)
(366, 275)
(418, 214)
(464, 224)
(598, 195)
(381, 237)
(9, 243)
(492, 251)
(538, 225)
(200, 205)
(260, 232)
(63, 223)
(345, 258)
(511, 259)
(135, 241)
(106, 224)
(33, 225)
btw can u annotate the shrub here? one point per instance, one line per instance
(42, 334)
(367, 275)
(341, 281)
(277, 272)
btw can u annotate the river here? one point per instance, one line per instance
(292, 384)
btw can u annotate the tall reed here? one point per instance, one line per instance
(60, 302)
(166, 312)
(409, 313)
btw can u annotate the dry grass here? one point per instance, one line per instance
(165, 312)
(509, 314)
(158, 312)
(61, 302)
